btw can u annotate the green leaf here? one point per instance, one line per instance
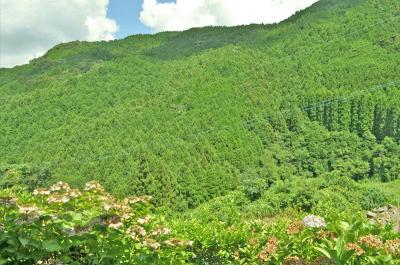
(77, 216)
(138, 246)
(13, 241)
(347, 256)
(51, 245)
(24, 241)
(323, 251)
(344, 226)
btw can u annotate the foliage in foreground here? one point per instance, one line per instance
(293, 242)
(61, 225)
(91, 227)
(185, 116)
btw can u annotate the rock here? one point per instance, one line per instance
(385, 215)
(371, 214)
(381, 209)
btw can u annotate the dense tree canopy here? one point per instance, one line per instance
(189, 116)
(260, 144)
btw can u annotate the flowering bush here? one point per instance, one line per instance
(311, 240)
(61, 225)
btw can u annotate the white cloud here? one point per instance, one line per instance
(186, 14)
(28, 28)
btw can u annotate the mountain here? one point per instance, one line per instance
(190, 116)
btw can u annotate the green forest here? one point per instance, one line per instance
(236, 133)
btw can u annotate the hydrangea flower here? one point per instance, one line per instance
(393, 247)
(323, 261)
(314, 221)
(8, 201)
(161, 231)
(59, 186)
(58, 199)
(174, 242)
(353, 246)
(94, 186)
(142, 199)
(270, 248)
(74, 194)
(117, 225)
(42, 192)
(29, 210)
(151, 243)
(295, 227)
(143, 220)
(371, 241)
(293, 260)
(135, 231)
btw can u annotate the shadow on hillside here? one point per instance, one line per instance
(194, 41)
(176, 45)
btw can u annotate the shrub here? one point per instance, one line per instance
(373, 198)
(64, 225)
(253, 188)
(23, 176)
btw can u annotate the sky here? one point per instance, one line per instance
(28, 28)
(127, 13)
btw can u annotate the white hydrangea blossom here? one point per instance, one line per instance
(314, 221)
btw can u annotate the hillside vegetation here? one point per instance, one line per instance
(236, 132)
(188, 116)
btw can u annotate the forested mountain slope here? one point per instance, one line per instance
(188, 116)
